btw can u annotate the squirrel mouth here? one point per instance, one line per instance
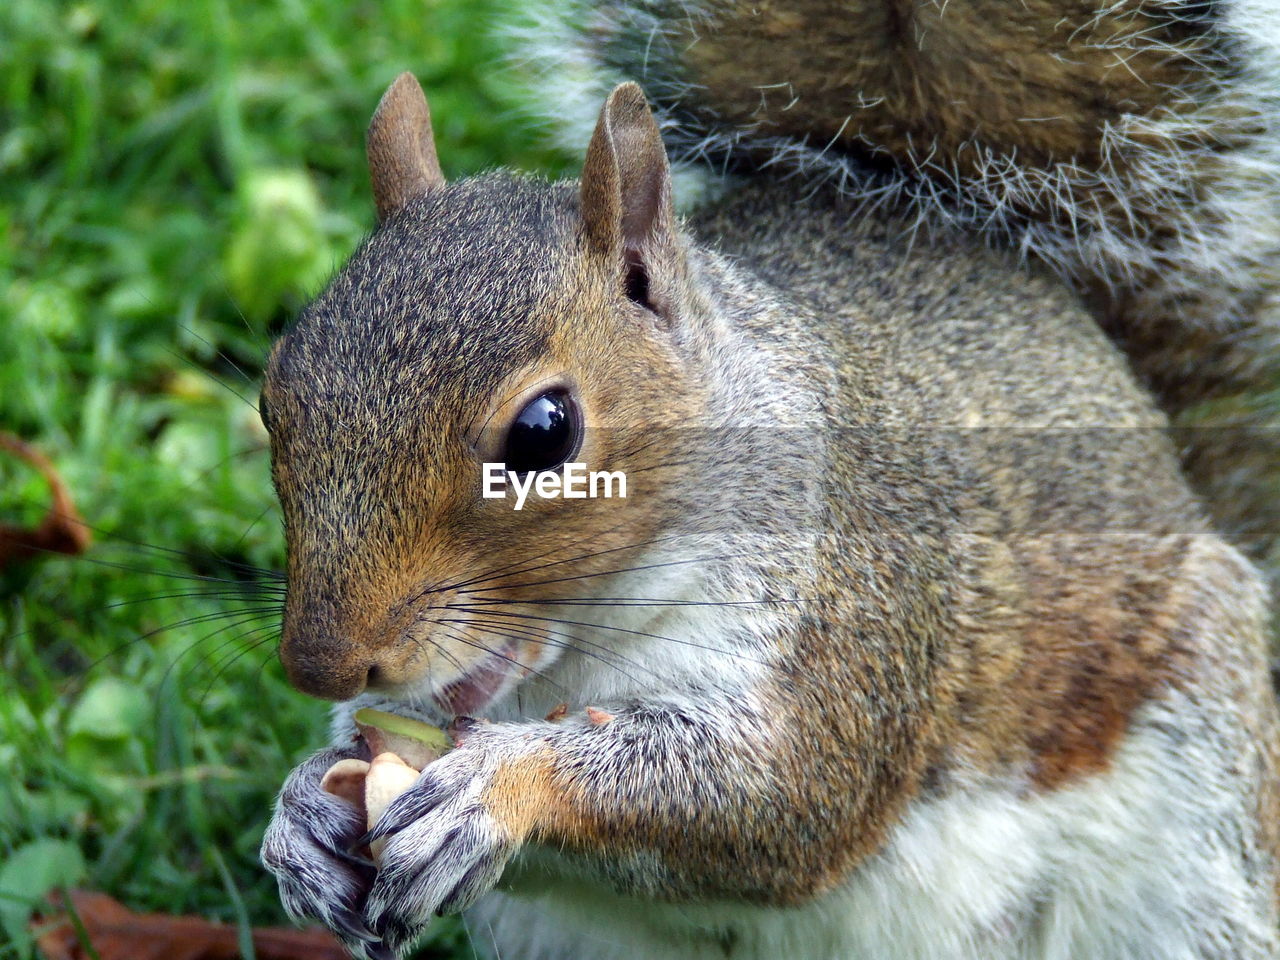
(474, 689)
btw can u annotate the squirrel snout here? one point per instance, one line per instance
(323, 681)
(325, 668)
(334, 647)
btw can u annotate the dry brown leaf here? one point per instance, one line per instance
(61, 530)
(117, 933)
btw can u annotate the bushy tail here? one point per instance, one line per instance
(1132, 145)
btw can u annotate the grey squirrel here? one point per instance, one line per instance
(910, 639)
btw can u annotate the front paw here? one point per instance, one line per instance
(449, 837)
(306, 847)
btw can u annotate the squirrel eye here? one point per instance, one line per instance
(545, 433)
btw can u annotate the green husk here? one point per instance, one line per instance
(415, 742)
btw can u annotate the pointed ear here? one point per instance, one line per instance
(626, 195)
(401, 148)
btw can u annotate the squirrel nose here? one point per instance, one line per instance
(330, 671)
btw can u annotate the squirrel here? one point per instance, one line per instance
(915, 635)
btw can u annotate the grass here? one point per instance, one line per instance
(175, 180)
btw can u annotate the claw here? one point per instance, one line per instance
(353, 855)
(352, 925)
(461, 727)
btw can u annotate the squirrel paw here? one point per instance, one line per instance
(306, 848)
(445, 847)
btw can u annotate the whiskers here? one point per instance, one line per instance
(247, 602)
(557, 606)
(607, 605)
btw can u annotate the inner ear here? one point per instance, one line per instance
(636, 280)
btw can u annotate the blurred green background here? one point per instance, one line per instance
(175, 180)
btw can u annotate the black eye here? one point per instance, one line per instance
(545, 434)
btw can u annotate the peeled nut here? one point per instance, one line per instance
(346, 779)
(401, 748)
(388, 777)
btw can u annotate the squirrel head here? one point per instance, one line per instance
(495, 318)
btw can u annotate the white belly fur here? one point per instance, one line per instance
(1147, 860)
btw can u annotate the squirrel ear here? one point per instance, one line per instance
(401, 148)
(626, 190)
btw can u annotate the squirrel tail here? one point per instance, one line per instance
(1133, 146)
